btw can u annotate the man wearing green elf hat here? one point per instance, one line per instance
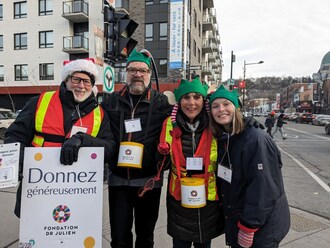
(136, 115)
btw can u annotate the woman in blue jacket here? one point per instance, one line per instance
(251, 183)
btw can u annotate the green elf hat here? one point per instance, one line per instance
(136, 56)
(187, 87)
(222, 92)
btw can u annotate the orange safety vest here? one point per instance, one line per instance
(207, 149)
(49, 121)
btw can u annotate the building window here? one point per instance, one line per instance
(163, 31)
(149, 2)
(21, 72)
(1, 12)
(1, 42)
(199, 29)
(2, 75)
(163, 66)
(199, 56)
(149, 32)
(45, 7)
(20, 41)
(46, 71)
(163, 1)
(195, 18)
(20, 10)
(194, 48)
(46, 39)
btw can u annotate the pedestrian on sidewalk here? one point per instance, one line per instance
(279, 125)
(269, 123)
(69, 117)
(251, 183)
(193, 152)
(136, 115)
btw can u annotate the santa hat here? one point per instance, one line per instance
(80, 65)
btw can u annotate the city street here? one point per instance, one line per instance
(306, 171)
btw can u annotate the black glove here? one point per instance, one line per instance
(70, 148)
(251, 122)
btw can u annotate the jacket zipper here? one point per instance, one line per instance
(199, 226)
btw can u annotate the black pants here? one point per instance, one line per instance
(269, 131)
(125, 204)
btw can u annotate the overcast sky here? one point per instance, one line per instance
(290, 36)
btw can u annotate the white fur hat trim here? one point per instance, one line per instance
(79, 65)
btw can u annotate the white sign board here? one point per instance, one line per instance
(176, 15)
(61, 205)
(9, 164)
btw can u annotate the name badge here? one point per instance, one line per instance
(194, 163)
(133, 125)
(76, 129)
(224, 173)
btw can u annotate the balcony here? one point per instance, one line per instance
(208, 4)
(207, 23)
(211, 57)
(75, 11)
(75, 44)
(206, 69)
(208, 46)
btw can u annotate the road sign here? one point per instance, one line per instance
(231, 82)
(195, 67)
(108, 78)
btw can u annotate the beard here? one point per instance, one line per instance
(137, 86)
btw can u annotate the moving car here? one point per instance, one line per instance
(305, 118)
(320, 120)
(7, 117)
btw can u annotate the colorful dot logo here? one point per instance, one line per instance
(61, 213)
(89, 242)
(128, 152)
(93, 155)
(193, 193)
(38, 156)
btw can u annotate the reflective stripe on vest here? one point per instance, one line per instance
(49, 120)
(209, 175)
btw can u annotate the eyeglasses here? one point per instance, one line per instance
(133, 71)
(77, 80)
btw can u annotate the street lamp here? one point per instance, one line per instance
(244, 71)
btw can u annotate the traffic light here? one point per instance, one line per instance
(118, 29)
(125, 29)
(109, 31)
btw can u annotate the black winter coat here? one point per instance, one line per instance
(23, 128)
(152, 110)
(193, 224)
(255, 197)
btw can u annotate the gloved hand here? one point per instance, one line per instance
(251, 122)
(245, 238)
(70, 148)
(164, 148)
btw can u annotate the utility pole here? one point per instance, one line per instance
(232, 60)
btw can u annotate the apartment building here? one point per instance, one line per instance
(36, 36)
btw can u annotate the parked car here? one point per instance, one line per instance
(7, 117)
(320, 120)
(305, 118)
(327, 128)
(293, 116)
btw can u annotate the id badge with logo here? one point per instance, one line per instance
(76, 129)
(133, 125)
(194, 163)
(224, 173)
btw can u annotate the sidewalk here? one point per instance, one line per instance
(307, 230)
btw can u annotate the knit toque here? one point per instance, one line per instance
(136, 56)
(186, 87)
(222, 92)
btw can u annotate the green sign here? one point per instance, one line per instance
(108, 79)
